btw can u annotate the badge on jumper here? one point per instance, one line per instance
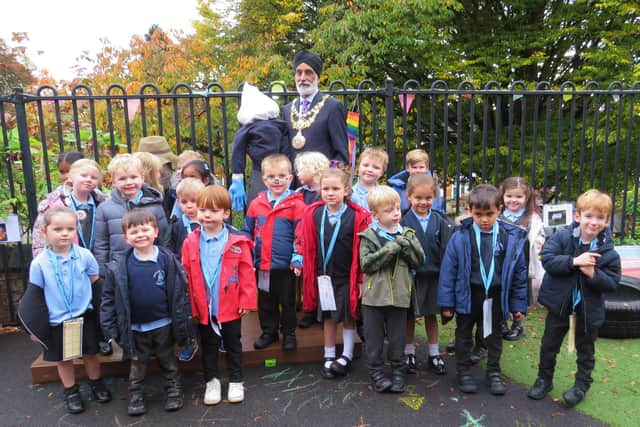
(72, 338)
(487, 323)
(325, 293)
(263, 280)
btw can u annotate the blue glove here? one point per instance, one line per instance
(238, 196)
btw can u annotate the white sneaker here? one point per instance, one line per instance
(212, 394)
(236, 393)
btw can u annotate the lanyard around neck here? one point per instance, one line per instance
(577, 295)
(75, 205)
(327, 255)
(67, 297)
(487, 278)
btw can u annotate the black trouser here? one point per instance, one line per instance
(281, 293)
(159, 342)
(464, 329)
(555, 328)
(210, 343)
(376, 321)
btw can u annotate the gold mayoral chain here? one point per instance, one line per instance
(303, 121)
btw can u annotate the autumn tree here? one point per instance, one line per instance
(15, 69)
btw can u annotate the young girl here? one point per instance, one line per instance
(60, 297)
(151, 169)
(309, 167)
(222, 288)
(520, 209)
(433, 230)
(329, 244)
(79, 193)
(200, 170)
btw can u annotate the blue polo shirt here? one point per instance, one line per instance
(68, 296)
(359, 195)
(211, 248)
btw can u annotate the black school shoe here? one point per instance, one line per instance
(381, 382)
(325, 372)
(466, 383)
(265, 341)
(289, 342)
(100, 391)
(573, 396)
(174, 401)
(478, 354)
(437, 365)
(410, 363)
(515, 333)
(451, 347)
(540, 389)
(340, 369)
(72, 400)
(496, 384)
(136, 405)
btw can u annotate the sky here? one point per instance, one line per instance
(60, 30)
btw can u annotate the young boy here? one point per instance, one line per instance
(416, 161)
(271, 221)
(483, 277)
(581, 264)
(187, 193)
(433, 230)
(145, 308)
(387, 253)
(371, 166)
(129, 191)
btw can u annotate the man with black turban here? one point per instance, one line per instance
(317, 122)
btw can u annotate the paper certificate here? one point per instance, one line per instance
(72, 338)
(325, 292)
(487, 324)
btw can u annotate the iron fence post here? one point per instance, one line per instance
(389, 120)
(18, 100)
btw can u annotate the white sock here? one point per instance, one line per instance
(349, 342)
(410, 349)
(329, 352)
(434, 349)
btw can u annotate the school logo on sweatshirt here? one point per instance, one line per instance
(159, 278)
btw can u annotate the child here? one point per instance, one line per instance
(483, 277)
(170, 203)
(65, 160)
(200, 170)
(187, 191)
(59, 293)
(581, 264)
(520, 209)
(271, 221)
(433, 231)
(416, 161)
(81, 194)
(145, 308)
(222, 285)
(329, 243)
(387, 253)
(129, 191)
(371, 166)
(151, 169)
(261, 133)
(309, 166)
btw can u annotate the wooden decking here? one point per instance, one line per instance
(310, 349)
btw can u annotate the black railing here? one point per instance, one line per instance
(563, 140)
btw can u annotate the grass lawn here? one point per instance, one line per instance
(614, 395)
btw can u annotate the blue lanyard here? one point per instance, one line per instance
(486, 279)
(68, 299)
(211, 277)
(280, 197)
(385, 234)
(74, 205)
(327, 255)
(577, 295)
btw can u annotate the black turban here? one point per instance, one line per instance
(309, 58)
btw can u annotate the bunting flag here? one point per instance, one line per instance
(353, 120)
(132, 108)
(406, 100)
(517, 96)
(467, 95)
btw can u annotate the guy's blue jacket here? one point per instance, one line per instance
(454, 286)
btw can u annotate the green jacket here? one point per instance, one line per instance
(386, 264)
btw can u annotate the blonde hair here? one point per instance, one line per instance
(272, 159)
(382, 195)
(596, 200)
(86, 163)
(189, 186)
(151, 168)
(311, 162)
(416, 156)
(124, 162)
(186, 156)
(376, 153)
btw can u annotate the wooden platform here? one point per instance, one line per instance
(310, 349)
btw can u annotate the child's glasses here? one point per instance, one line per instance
(275, 178)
